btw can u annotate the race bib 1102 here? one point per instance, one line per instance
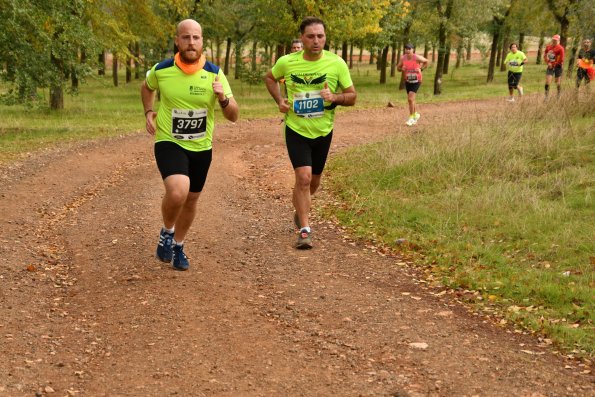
(308, 104)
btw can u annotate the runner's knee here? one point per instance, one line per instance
(303, 177)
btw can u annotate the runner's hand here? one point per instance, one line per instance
(218, 89)
(150, 119)
(326, 94)
(284, 105)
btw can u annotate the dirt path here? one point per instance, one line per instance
(85, 309)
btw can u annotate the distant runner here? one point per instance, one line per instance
(411, 65)
(554, 57)
(296, 45)
(317, 82)
(514, 61)
(586, 68)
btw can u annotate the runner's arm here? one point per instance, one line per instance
(347, 97)
(229, 106)
(148, 98)
(231, 111)
(422, 61)
(273, 88)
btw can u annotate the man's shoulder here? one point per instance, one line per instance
(166, 63)
(211, 67)
(332, 56)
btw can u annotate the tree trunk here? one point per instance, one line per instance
(280, 51)
(459, 54)
(505, 45)
(540, 48)
(393, 58)
(383, 61)
(129, 65)
(521, 43)
(426, 49)
(433, 53)
(499, 54)
(56, 91)
(254, 50)
(227, 56)
(372, 52)
(469, 49)
(115, 69)
(238, 62)
(101, 63)
(361, 52)
(494, 49)
(572, 57)
(218, 51)
(344, 49)
(378, 60)
(446, 59)
(74, 80)
(351, 55)
(137, 60)
(444, 17)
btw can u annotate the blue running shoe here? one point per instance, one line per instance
(180, 259)
(165, 250)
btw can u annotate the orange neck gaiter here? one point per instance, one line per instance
(192, 67)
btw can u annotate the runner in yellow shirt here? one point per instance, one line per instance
(514, 61)
(317, 81)
(191, 88)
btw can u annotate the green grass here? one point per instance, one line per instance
(101, 110)
(505, 208)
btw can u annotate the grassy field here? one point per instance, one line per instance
(504, 209)
(101, 110)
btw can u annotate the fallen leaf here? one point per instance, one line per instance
(419, 345)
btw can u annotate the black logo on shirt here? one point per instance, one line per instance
(308, 80)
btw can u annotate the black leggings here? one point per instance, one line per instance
(306, 152)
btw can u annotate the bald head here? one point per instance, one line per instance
(187, 24)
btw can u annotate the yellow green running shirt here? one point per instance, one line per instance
(513, 61)
(186, 114)
(304, 80)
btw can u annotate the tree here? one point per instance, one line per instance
(501, 11)
(561, 9)
(444, 8)
(42, 42)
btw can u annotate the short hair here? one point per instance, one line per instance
(296, 41)
(311, 21)
(511, 44)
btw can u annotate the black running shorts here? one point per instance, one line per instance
(172, 159)
(306, 152)
(556, 71)
(412, 87)
(514, 79)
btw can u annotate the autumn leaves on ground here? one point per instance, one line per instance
(86, 310)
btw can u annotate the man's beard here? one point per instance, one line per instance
(192, 58)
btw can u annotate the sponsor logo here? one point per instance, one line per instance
(196, 90)
(308, 80)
